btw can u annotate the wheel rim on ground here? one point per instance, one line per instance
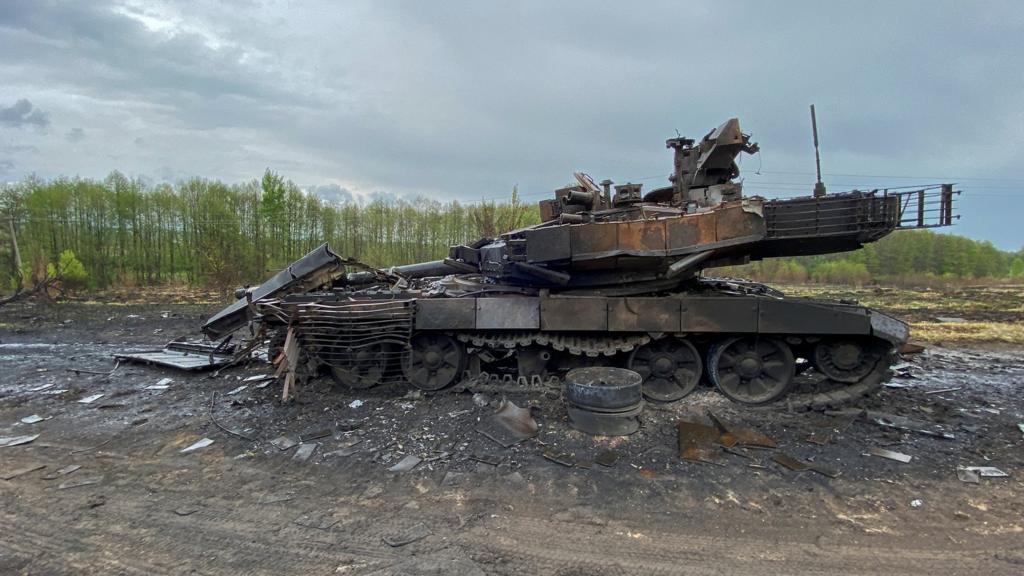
(671, 368)
(752, 370)
(846, 360)
(361, 368)
(433, 361)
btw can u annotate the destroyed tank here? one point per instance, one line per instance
(611, 276)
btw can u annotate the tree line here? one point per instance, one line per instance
(123, 231)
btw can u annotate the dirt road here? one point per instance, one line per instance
(138, 505)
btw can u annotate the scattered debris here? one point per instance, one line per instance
(787, 461)
(509, 425)
(62, 472)
(237, 390)
(820, 438)
(157, 387)
(968, 476)
(32, 419)
(560, 458)
(481, 399)
(284, 442)
(944, 390)
(950, 319)
(78, 483)
(355, 404)
(315, 435)
(91, 399)
(607, 458)
(1021, 428)
(413, 534)
(987, 471)
(916, 503)
(186, 510)
(493, 461)
(734, 435)
(883, 453)
(165, 382)
(406, 464)
(908, 424)
(697, 441)
(258, 378)
(6, 441)
(110, 372)
(197, 445)
(22, 471)
(305, 450)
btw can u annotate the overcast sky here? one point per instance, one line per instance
(466, 99)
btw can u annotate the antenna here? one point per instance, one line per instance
(819, 186)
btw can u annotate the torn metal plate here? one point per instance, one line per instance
(183, 356)
(697, 442)
(889, 454)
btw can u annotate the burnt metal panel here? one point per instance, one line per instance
(445, 314)
(512, 313)
(735, 222)
(808, 317)
(642, 238)
(693, 230)
(574, 313)
(593, 240)
(548, 244)
(718, 314)
(643, 315)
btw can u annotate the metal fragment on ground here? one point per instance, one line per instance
(315, 434)
(968, 476)
(406, 464)
(21, 471)
(820, 438)
(6, 441)
(258, 378)
(283, 442)
(791, 463)
(91, 399)
(889, 454)
(607, 458)
(560, 458)
(186, 510)
(733, 435)
(83, 482)
(237, 390)
(509, 425)
(987, 471)
(62, 472)
(485, 459)
(697, 442)
(908, 424)
(199, 444)
(944, 390)
(32, 419)
(305, 451)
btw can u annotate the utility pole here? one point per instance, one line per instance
(819, 186)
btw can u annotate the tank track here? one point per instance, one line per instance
(836, 395)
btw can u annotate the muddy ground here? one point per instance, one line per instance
(137, 505)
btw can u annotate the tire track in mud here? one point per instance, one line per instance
(537, 545)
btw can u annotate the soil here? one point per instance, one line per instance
(138, 505)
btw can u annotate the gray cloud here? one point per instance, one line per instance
(332, 193)
(75, 135)
(464, 99)
(23, 113)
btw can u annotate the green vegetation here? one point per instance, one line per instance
(206, 233)
(123, 232)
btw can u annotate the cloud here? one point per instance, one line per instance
(23, 113)
(75, 135)
(462, 100)
(332, 193)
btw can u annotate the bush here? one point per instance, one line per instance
(69, 270)
(842, 272)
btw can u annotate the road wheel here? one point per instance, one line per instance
(752, 370)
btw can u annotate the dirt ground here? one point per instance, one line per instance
(138, 505)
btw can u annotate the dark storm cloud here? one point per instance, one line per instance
(22, 113)
(466, 99)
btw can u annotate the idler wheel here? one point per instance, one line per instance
(752, 370)
(846, 360)
(361, 368)
(434, 361)
(671, 368)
